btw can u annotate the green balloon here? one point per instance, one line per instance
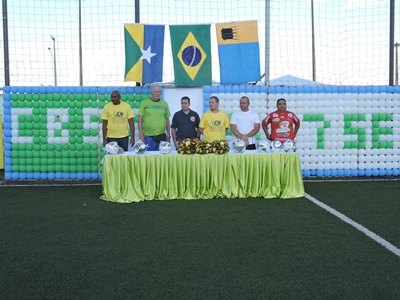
(382, 130)
(94, 118)
(94, 147)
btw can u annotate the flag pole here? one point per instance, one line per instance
(267, 40)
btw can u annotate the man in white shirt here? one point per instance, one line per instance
(245, 124)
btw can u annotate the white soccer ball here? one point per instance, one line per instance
(288, 146)
(239, 146)
(165, 148)
(139, 147)
(264, 146)
(113, 148)
(276, 146)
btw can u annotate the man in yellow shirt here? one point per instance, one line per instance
(214, 123)
(116, 117)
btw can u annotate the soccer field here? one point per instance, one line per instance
(63, 242)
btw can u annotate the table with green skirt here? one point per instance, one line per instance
(132, 178)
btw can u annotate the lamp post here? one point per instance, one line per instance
(396, 71)
(54, 59)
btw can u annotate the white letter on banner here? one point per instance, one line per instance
(55, 118)
(87, 124)
(15, 113)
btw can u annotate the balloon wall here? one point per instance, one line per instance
(56, 132)
(345, 130)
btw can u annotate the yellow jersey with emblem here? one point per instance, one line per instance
(214, 125)
(117, 117)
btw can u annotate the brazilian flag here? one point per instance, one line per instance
(191, 51)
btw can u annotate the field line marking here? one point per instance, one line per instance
(389, 246)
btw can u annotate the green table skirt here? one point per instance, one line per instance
(133, 178)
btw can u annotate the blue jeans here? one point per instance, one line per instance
(152, 144)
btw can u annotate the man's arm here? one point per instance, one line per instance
(140, 127)
(104, 128)
(235, 132)
(168, 133)
(132, 129)
(173, 132)
(265, 128)
(296, 125)
(255, 130)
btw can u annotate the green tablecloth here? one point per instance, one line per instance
(133, 178)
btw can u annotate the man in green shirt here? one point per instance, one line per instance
(153, 122)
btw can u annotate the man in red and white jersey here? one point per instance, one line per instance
(284, 124)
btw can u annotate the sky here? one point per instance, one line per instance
(351, 38)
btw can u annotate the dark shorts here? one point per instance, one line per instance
(122, 142)
(251, 147)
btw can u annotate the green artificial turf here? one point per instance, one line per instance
(63, 242)
(374, 204)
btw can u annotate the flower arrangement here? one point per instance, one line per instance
(220, 147)
(189, 146)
